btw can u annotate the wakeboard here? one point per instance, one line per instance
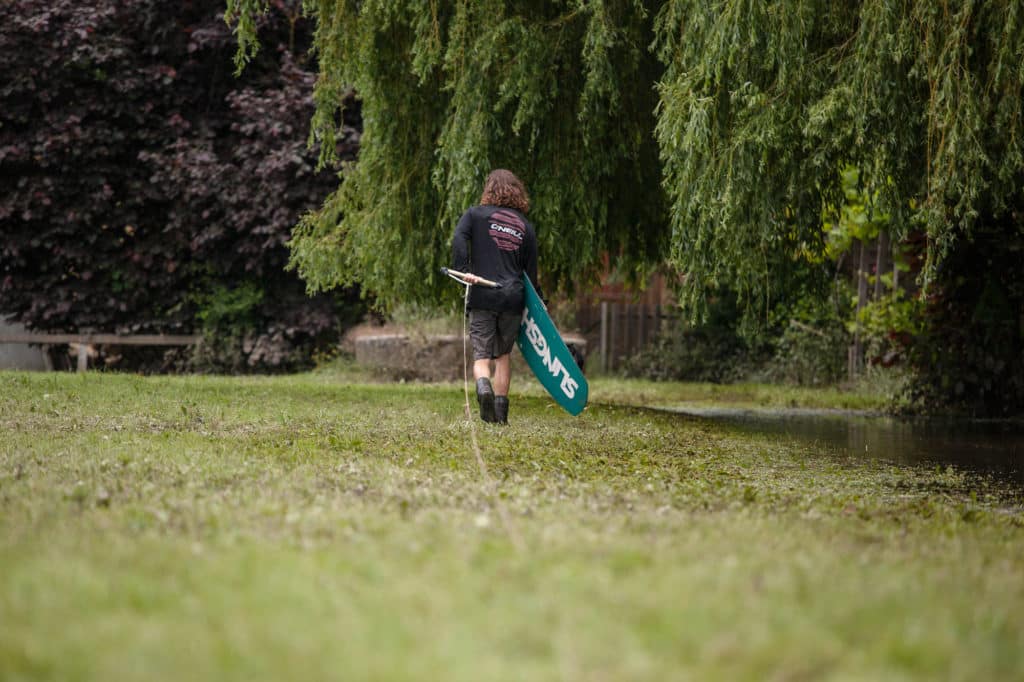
(547, 355)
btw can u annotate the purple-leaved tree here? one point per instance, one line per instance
(145, 188)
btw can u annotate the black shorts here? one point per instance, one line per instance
(493, 333)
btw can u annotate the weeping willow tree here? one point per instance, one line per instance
(559, 92)
(756, 105)
(762, 103)
(708, 135)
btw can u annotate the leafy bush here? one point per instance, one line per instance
(692, 354)
(714, 351)
(142, 179)
(809, 356)
(889, 326)
(809, 343)
(803, 342)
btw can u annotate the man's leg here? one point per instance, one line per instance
(484, 391)
(502, 377)
(502, 374)
(481, 369)
(508, 330)
(482, 331)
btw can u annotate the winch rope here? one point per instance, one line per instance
(490, 484)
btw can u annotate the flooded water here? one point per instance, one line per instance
(990, 447)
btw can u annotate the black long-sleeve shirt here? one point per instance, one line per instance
(499, 244)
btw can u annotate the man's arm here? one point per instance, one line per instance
(460, 243)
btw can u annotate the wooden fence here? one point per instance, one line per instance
(616, 330)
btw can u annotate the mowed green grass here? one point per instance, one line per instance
(205, 528)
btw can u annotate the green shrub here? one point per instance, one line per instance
(713, 351)
(691, 354)
(809, 355)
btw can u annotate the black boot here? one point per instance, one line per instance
(485, 396)
(501, 409)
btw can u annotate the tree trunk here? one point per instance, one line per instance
(857, 352)
(881, 258)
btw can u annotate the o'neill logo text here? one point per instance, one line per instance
(507, 230)
(553, 365)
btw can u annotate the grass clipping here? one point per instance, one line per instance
(249, 528)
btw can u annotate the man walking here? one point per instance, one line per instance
(495, 241)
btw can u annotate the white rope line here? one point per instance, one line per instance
(491, 486)
(460, 281)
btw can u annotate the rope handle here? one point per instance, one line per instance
(469, 278)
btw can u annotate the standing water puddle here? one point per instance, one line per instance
(990, 447)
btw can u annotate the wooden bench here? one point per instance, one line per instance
(85, 340)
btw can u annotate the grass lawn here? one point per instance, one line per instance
(323, 527)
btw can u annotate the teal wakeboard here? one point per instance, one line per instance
(546, 354)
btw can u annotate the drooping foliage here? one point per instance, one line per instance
(759, 105)
(143, 188)
(762, 102)
(559, 92)
(756, 107)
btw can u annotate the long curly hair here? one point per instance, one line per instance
(503, 188)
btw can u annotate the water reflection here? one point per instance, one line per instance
(992, 447)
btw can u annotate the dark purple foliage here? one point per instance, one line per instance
(141, 182)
